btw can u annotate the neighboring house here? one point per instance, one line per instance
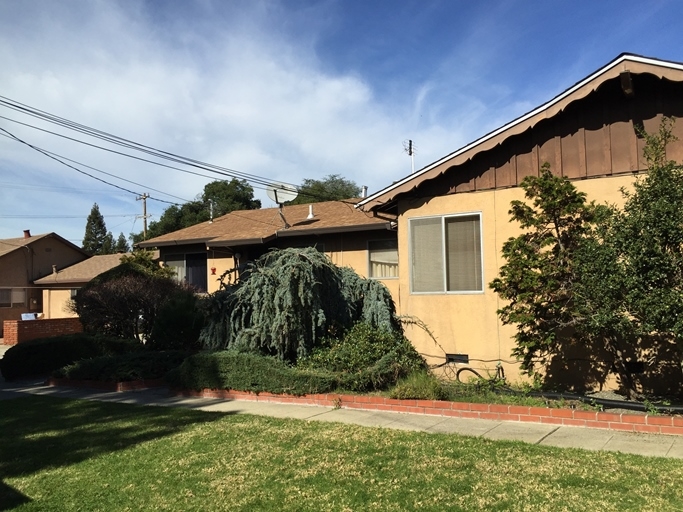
(22, 261)
(61, 286)
(453, 214)
(350, 237)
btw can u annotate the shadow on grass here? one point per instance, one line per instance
(41, 433)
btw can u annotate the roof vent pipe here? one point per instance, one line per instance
(27, 233)
(364, 191)
(54, 270)
(310, 212)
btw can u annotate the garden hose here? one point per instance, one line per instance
(496, 385)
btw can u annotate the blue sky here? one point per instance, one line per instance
(285, 90)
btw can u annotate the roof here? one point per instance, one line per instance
(82, 272)
(9, 245)
(625, 62)
(247, 227)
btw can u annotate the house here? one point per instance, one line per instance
(26, 259)
(453, 214)
(60, 286)
(364, 241)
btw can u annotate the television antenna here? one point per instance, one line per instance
(409, 148)
(281, 193)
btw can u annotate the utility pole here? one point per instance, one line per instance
(143, 198)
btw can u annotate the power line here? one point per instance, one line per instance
(59, 216)
(101, 171)
(126, 154)
(256, 181)
(113, 139)
(47, 154)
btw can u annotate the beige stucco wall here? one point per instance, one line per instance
(344, 250)
(468, 323)
(55, 304)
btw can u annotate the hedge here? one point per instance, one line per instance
(126, 367)
(242, 371)
(45, 355)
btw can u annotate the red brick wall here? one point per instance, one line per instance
(17, 331)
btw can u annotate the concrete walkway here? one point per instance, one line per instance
(534, 433)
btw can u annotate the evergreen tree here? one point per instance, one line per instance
(108, 245)
(540, 274)
(121, 244)
(289, 300)
(96, 235)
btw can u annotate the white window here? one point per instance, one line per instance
(445, 254)
(383, 256)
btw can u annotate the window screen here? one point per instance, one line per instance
(426, 255)
(463, 243)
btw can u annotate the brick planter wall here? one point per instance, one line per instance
(567, 417)
(18, 331)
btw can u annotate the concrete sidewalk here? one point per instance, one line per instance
(535, 433)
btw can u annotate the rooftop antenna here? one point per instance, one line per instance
(210, 211)
(281, 193)
(409, 148)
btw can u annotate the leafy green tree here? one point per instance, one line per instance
(221, 197)
(597, 277)
(228, 196)
(330, 188)
(648, 235)
(121, 246)
(96, 238)
(145, 259)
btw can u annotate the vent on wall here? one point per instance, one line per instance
(458, 358)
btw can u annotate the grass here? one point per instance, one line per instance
(65, 455)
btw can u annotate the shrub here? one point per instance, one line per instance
(367, 358)
(42, 356)
(125, 301)
(419, 386)
(124, 367)
(248, 372)
(177, 324)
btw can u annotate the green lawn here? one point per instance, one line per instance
(63, 455)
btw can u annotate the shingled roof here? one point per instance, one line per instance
(247, 227)
(82, 272)
(8, 245)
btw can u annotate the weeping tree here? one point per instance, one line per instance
(289, 301)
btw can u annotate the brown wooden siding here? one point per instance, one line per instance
(595, 136)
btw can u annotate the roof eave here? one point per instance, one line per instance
(383, 198)
(239, 241)
(332, 230)
(167, 243)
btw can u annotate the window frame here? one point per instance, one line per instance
(383, 240)
(176, 256)
(444, 253)
(13, 302)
